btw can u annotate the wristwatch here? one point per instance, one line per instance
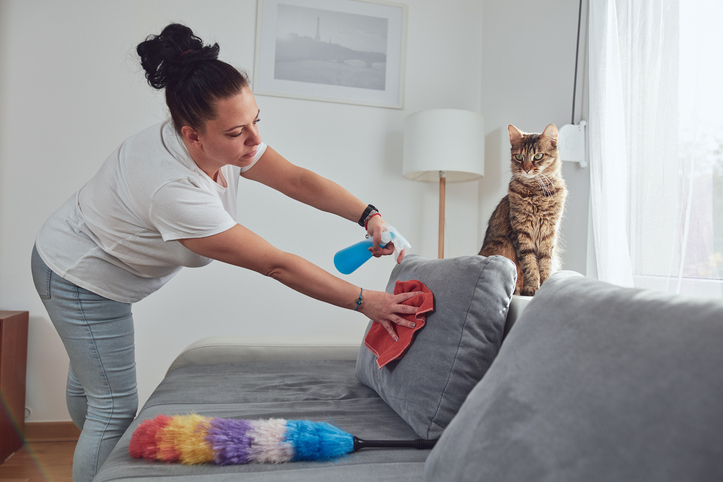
(368, 213)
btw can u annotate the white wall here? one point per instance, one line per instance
(71, 89)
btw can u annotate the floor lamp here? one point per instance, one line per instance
(442, 145)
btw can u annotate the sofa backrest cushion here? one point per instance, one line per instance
(596, 382)
(461, 338)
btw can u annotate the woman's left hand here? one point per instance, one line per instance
(387, 309)
(374, 229)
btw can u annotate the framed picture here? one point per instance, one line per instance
(348, 51)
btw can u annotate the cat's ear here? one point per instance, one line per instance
(551, 133)
(515, 134)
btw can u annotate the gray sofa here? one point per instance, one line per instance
(585, 381)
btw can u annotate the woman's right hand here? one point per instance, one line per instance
(386, 308)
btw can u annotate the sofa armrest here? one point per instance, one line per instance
(238, 349)
(517, 306)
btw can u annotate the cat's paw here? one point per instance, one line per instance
(527, 291)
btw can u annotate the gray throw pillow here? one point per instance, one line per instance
(455, 348)
(596, 382)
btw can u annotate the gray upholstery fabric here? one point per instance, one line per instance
(595, 382)
(453, 351)
(299, 390)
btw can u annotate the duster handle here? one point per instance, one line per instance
(419, 444)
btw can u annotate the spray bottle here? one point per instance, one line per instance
(350, 258)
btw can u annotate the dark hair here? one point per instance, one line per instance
(190, 72)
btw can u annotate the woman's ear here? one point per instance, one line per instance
(190, 135)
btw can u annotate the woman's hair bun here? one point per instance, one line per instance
(169, 56)
(190, 73)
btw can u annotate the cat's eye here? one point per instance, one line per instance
(518, 157)
(538, 156)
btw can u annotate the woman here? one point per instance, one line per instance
(166, 198)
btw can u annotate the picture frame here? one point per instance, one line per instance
(346, 51)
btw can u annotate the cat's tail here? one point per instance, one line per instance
(503, 246)
(498, 238)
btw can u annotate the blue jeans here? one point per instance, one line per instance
(98, 335)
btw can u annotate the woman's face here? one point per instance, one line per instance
(233, 136)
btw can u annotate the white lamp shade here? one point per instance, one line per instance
(448, 140)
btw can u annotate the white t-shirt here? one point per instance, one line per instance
(117, 236)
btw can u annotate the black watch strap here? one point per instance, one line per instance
(367, 213)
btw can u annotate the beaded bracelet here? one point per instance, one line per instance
(359, 301)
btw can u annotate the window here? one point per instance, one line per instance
(656, 141)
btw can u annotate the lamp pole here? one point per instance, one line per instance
(442, 194)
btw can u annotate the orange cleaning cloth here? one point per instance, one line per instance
(378, 339)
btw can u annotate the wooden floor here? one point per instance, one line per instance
(40, 462)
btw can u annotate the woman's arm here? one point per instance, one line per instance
(241, 247)
(307, 187)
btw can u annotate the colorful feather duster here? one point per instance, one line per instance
(194, 439)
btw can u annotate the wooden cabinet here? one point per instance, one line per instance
(13, 363)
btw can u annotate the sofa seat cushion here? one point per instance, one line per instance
(462, 336)
(293, 390)
(596, 382)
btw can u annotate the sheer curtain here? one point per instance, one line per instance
(656, 143)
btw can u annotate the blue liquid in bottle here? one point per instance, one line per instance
(349, 259)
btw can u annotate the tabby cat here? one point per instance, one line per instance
(524, 227)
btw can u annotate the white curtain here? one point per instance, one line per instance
(656, 143)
